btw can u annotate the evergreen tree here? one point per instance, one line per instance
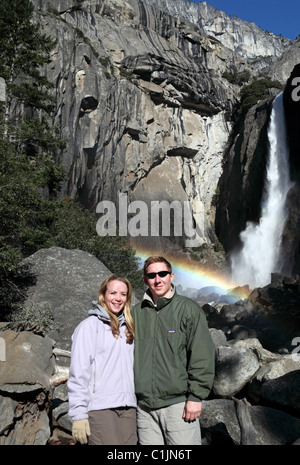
(29, 102)
(23, 51)
(257, 90)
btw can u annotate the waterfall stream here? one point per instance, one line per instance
(260, 251)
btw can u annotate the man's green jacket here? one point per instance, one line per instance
(174, 354)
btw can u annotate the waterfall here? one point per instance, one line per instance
(260, 252)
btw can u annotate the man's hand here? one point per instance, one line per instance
(81, 431)
(192, 410)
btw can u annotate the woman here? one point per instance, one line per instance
(102, 402)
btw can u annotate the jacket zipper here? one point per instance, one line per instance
(94, 386)
(154, 355)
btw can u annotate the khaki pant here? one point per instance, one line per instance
(166, 426)
(113, 427)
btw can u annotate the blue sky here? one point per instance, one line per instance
(277, 16)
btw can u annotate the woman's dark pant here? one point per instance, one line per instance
(113, 427)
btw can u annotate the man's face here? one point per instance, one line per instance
(159, 286)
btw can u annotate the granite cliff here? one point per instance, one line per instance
(147, 111)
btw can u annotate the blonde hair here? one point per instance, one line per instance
(114, 321)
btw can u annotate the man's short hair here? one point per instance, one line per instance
(156, 259)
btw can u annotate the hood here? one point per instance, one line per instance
(101, 313)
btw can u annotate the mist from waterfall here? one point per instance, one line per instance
(260, 252)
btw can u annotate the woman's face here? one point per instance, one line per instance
(115, 296)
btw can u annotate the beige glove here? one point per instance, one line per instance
(81, 430)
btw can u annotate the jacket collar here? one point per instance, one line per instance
(161, 301)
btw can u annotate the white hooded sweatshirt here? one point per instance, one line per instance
(101, 370)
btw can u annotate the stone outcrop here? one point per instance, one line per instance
(152, 104)
(291, 234)
(281, 69)
(244, 38)
(269, 314)
(26, 370)
(242, 180)
(62, 283)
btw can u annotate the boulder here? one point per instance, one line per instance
(218, 422)
(25, 387)
(222, 422)
(274, 427)
(64, 282)
(29, 362)
(283, 392)
(235, 367)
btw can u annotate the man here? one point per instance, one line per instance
(174, 360)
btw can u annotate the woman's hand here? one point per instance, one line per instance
(81, 430)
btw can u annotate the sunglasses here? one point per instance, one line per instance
(161, 274)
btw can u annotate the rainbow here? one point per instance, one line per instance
(190, 274)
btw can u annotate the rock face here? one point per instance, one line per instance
(141, 96)
(244, 38)
(291, 235)
(242, 181)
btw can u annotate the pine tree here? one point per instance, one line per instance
(23, 51)
(29, 103)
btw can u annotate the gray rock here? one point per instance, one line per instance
(61, 416)
(65, 282)
(268, 426)
(25, 387)
(219, 423)
(283, 392)
(7, 409)
(235, 367)
(218, 337)
(29, 363)
(274, 427)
